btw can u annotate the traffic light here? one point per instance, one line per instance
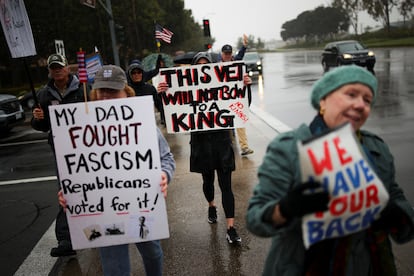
(206, 26)
(120, 33)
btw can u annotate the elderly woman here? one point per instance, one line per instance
(279, 202)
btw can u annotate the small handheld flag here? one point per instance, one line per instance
(82, 74)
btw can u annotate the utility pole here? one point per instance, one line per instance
(108, 9)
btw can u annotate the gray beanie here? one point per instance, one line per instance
(339, 77)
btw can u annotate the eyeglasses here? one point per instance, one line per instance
(136, 72)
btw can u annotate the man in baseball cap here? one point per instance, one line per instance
(62, 88)
(227, 49)
(57, 59)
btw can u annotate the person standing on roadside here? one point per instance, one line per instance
(211, 153)
(111, 83)
(62, 88)
(227, 55)
(281, 199)
(135, 78)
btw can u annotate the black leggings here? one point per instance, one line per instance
(224, 180)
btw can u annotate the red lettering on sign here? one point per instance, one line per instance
(341, 152)
(324, 163)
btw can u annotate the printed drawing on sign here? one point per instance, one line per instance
(357, 194)
(109, 171)
(205, 97)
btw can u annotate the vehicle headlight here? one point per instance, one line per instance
(371, 53)
(258, 63)
(347, 56)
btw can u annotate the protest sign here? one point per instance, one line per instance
(205, 97)
(110, 171)
(337, 161)
(16, 28)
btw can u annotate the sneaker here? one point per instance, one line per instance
(64, 249)
(247, 151)
(212, 214)
(232, 236)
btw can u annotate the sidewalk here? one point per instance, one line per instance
(196, 247)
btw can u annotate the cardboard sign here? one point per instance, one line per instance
(110, 171)
(205, 97)
(16, 28)
(357, 194)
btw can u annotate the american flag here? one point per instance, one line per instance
(82, 73)
(163, 33)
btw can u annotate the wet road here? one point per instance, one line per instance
(196, 247)
(285, 87)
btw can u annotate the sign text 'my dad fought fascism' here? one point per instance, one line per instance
(205, 97)
(109, 171)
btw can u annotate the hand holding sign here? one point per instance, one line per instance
(301, 200)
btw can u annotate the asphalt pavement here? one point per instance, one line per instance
(196, 247)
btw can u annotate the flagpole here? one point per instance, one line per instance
(26, 67)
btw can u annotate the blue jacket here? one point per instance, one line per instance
(280, 171)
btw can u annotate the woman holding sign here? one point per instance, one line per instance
(211, 152)
(111, 83)
(282, 202)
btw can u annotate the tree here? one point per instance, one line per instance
(316, 24)
(380, 10)
(353, 7)
(83, 27)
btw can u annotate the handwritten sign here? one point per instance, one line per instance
(109, 171)
(205, 97)
(357, 194)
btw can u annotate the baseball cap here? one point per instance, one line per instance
(110, 76)
(227, 49)
(57, 59)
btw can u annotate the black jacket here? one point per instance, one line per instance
(211, 150)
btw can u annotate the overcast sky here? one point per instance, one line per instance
(229, 19)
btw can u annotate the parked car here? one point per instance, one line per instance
(253, 63)
(347, 52)
(11, 112)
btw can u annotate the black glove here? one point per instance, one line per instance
(391, 217)
(297, 203)
(159, 59)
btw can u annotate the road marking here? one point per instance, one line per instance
(28, 180)
(23, 143)
(270, 120)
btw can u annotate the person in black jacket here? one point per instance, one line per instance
(136, 80)
(62, 88)
(211, 152)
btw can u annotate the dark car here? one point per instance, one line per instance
(347, 52)
(253, 63)
(11, 112)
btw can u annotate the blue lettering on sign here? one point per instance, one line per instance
(320, 230)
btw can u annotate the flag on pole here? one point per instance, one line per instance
(163, 34)
(82, 74)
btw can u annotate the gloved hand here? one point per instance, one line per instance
(159, 59)
(297, 203)
(390, 218)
